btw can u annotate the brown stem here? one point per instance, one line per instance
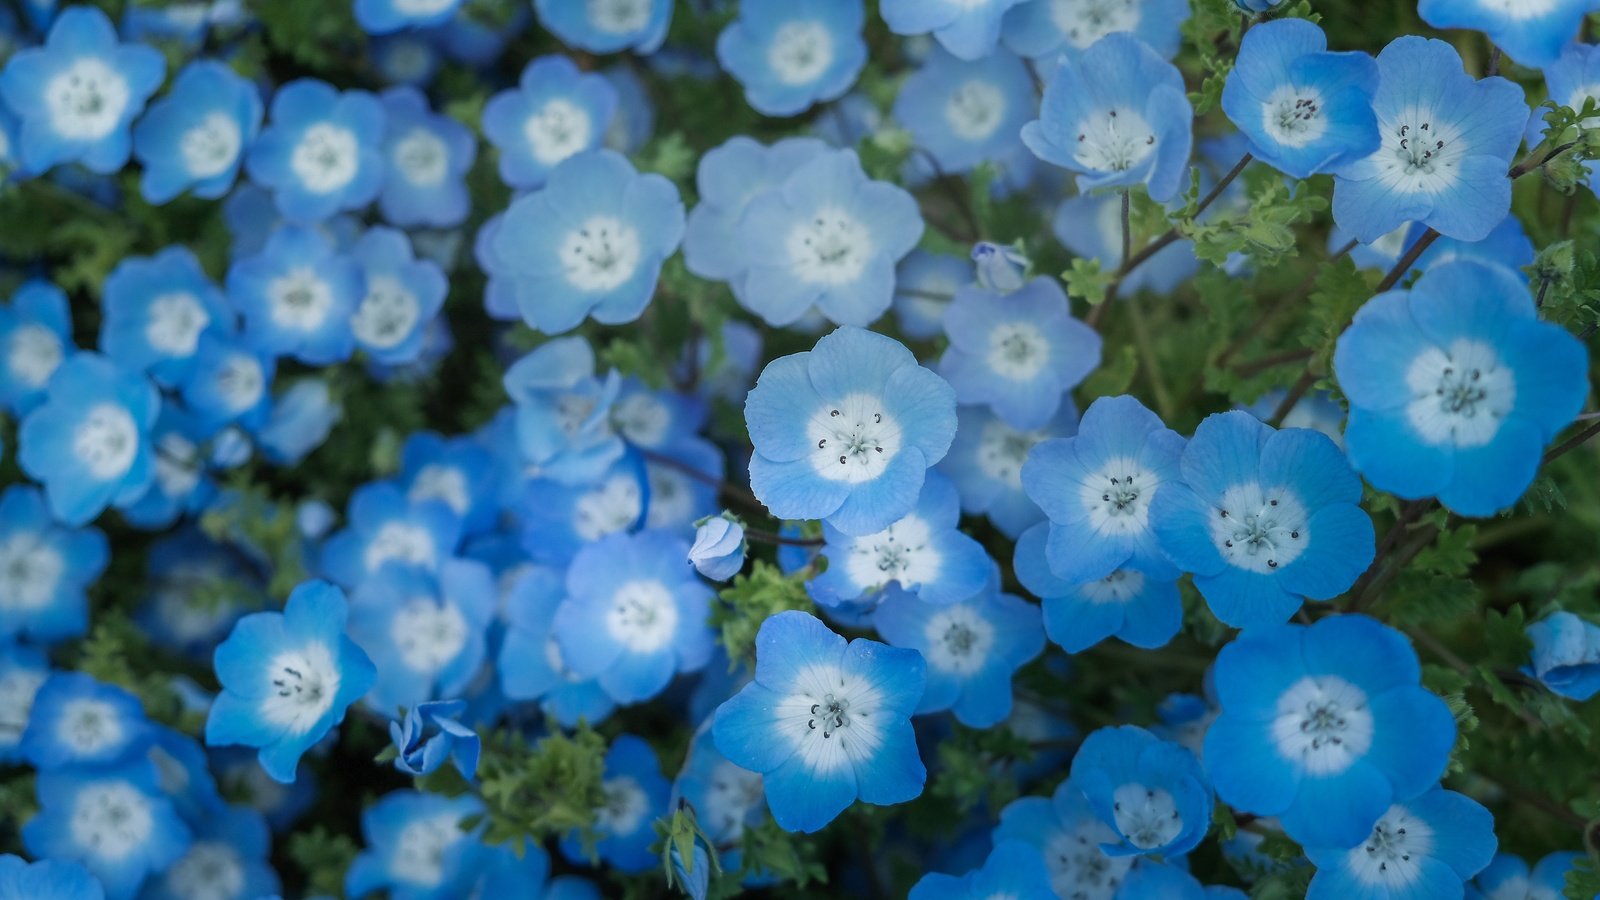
(1295, 395)
(1273, 360)
(1172, 235)
(780, 540)
(1573, 443)
(729, 489)
(1409, 513)
(1408, 260)
(1285, 302)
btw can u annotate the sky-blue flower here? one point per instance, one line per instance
(297, 296)
(1507, 877)
(636, 795)
(1534, 34)
(607, 26)
(47, 879)
(36, 334)
(416, 848)
(967, 28)
(1151, 792)
(321, 152)
(195, 137)
(426, 160)
(1013, 869)
(530, 663)
(1426, 847)
(718, 549)
(789, 56)
(77, 721)
(23, 670)
(1140, 608)
(1044, 28)
(555, 112)
(985, 463)
(154, 310)
(432, 733)
(387, 16)
(1566, 654)
(403, 295)
(1070, 838)
(45, 569)
(424, 632)
(383, 528)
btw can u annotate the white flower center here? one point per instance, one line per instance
(625, 808)
(443, 483)
(105, 442)
(210, 148)
(1522, 9)
(326, 159)
(421, 157)
(400, 542)
(1147, 817)
(420, 852)
(1392, 856)
(975, 110)
(1293, 116)
(33, 354)
(1323, 724)
(211, 870)
(240, 381)
(1086, 21)
(1459, 396)
(301, 686)
(30, 569)
(800, 52)
(89, 726)
(959, 640)
(1260, 530)
(1421, 152)
(300, 300)
(1018, 350)
(559, 129)
(1114, 140)
(642, 419)
(853, 440)
(833, 247)
(1079, 869)
(1002, 450)
(601, 255)
(1118, 587)
(111, 820)
(1118, 497)
(428, 634)
(732, 794)
(642, 616)
(175, 323)
(421, 7)
(86, 100)
(388, 313)
(618, 16)
(671, 498)
(17, 689)
(897, 553)
(615, 505)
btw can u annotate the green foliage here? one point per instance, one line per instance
(751, 599)
(546, 789)
(790, 858)
(323, 856)
(974, 767)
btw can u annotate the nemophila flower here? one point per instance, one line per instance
(386, 528)
(985, 463)
(635, 119)
(1256, 6)
(1044, 28)
(590, 243)
(1508, 245)
(607, 26)
(457, 472)
(231, 382)
(45, 569)
(964, 113)
(790, 56)
(155, 308)
(432, 733)
(718, 550)
(972, 647)
(77, 94)
(1013, 869)
(114, 821)
(1566, 654)
(829, 237)
(300, 421)
(23, 669)
(1168, 882)
(1447, 146)
(1151, 792)
(1070, 839)
(1507, 877)
(999, 269)
(1129, 129)
(424, 632)
(531, 665)
(563, 424)
(726, 799)
(35, 336)
(1316, 410)
(426, 159)
(923, 552)
(659, 420)
(386, 16)
(47, 879)
(178, 568)
(297, 296)
(320, 153)
(403, 294)
(847, 431)
(1098, 487)
(1019, 353)
(556, 112)
(287, 678)
(89, 443)
(559, 519)
(1090, 226)
(195, 137)
(78, 721)
(635, 795)
(226, 861)
(728, 177)
(416, 848)
(1140, 608)
(1456, 386)
(1534, 34)
(1572, 80)
(825, 722)
(967, 28)
(1324, 727)
(1305, 110)
(1427, 846)
(1264, 519)
(634, 614)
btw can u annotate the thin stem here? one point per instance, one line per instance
(1573, 443)
(729, 489)
(1172, 235)
(1408, 515)
(1409, 259)
(1296, 393)
(780, 540)
(1273, 360)
(1285, 302)
(1127, 224)
(1527, 165)
(925, 295)
(1150, 360)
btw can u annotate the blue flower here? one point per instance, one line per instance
(847, 431)
(1013, 869)
(999, 269)
(986, 460)
(23, 670)
(718, 551)
(426, 160)
(530, 663)
(170, 613)
(403, 295)
(1533, 34)
(1566, 654)
(297, 296)
(231, 382)
(320, 154)
(387, 16)
(89, 443)
(726, 798)
(634, 614)
(825, 723)
(967, 28)
(300, 421)
(635, 119)
(1572, 79)
(1168, 882)
(1456, 386)
(35, 336)
(195, 137)
(287, 678)
(155, 309)
(1140, 608)
(607, 26)
(1098, 487)
(114, 821)
(1256, 6)
(386, 528)
(1447, 146)
(457, 472)
(728, 178)
(1020, 353)
(636, 795)
(1316, 410)
(1151, 792)
(923, 552)
(416, 847)
(77, 94)
(47, 879)
(1044, 28)
(590, 243)
(560, 519)
(1264, 519)
(1071, 839)
(1428, 846)
(973, 648)
(227, 860)
(563, 427)
(1324, 727)
(693, 878)
(827, 237)
(1305, 110)
(424, 632)
(45, 570)
(77, 721)
(1508, 246)
(789, 56)
(1507, 877)
(430, 735)
(556, 112)
(1134, 127)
